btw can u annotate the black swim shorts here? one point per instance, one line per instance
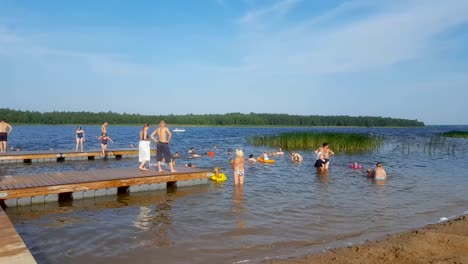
(163, 152)
(319, 163)
(3, 136)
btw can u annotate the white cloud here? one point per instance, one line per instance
(390, 33)
(277, 10)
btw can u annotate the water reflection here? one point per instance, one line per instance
(238, 207)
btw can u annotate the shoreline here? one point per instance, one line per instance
(445, 242)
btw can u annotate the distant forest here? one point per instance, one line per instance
(231, 119)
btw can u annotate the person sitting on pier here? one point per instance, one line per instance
(104, 138)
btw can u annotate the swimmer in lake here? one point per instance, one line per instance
(378, 173)
(252, 159)
(280, 152)
(326, 154)
(296, 157)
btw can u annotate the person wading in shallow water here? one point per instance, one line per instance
(326, 152)
(162, 145)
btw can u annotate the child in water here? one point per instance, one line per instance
(217, 174)
(265, 156)
(252, 159)
(239, 167)
(355, 165)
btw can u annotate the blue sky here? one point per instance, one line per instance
(399, 58)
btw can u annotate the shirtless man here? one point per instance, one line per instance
(162, 146)
(379, 172)
(5, 130)
(296, 157)
(104, 128)
(326, 152)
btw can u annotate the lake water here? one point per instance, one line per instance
(284, 210)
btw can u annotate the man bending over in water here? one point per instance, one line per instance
(378, 173)
(162, 146)
(326, 152)
(5, 130)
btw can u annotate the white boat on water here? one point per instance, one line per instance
(179, 130)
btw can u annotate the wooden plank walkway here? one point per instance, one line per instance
(12, 247)
(35, 156)
(32, 185)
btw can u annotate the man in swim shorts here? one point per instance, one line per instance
(104, 128)
(326, 152)
(379, 172)
(162, 146)
(5, 130)
(144, 149)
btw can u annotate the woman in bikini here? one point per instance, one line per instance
(80, 138)
(239, 167)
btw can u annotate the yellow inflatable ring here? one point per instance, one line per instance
(221, 177)
(265, 161)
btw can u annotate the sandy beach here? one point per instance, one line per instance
(445, 242)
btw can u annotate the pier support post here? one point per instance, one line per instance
(62, 197)
(122, 189)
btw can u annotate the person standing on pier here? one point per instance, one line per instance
(5, 130)
(144, 149)
(80, 138)
(162, 145)
(104, 138)
(104, 128)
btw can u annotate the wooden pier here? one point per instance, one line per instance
(30, 189)
(60, 156)
(12, 248)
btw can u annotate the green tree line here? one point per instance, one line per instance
(231, 119)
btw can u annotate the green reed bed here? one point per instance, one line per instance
(339, 142)
(456, 134)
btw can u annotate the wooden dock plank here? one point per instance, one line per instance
(38, 155)
(93, 180)
(12, 247)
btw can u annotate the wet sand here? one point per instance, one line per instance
(445, 242)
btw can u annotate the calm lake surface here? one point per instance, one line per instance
(284, 210)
